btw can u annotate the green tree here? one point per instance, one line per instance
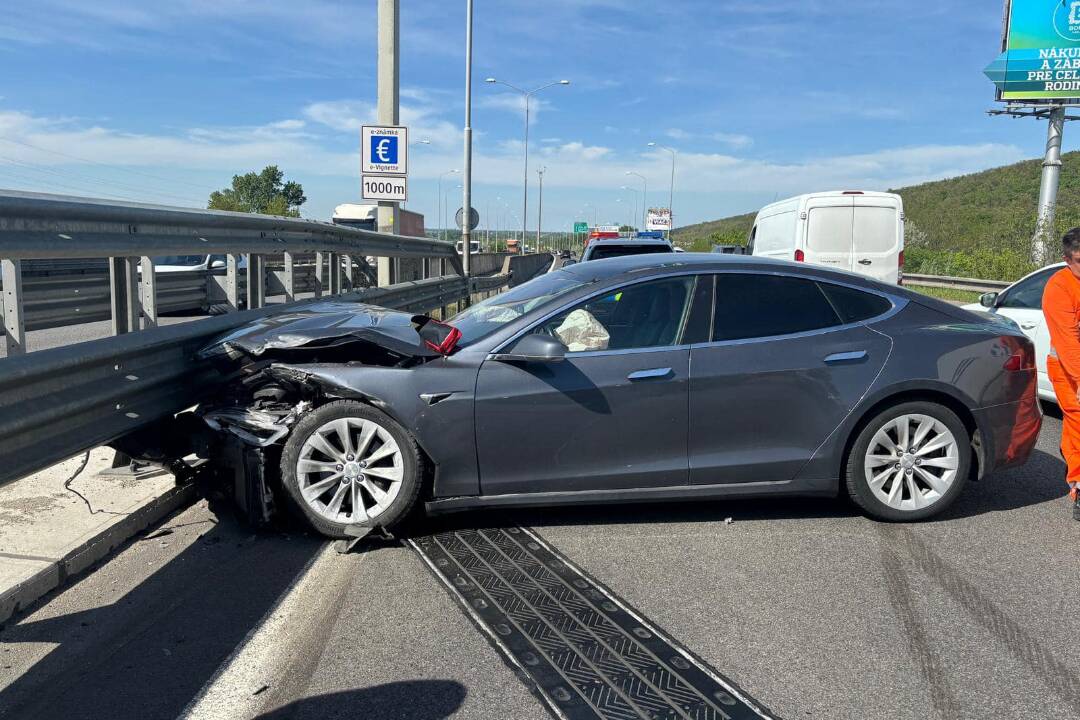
(266, 193)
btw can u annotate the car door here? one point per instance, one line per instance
(788, 359)
(828, 238)
(877, 230)
(611, 415)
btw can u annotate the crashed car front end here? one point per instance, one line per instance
(275, 371)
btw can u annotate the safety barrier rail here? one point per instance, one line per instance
(130, 235)
(956, 283)
(58, 402)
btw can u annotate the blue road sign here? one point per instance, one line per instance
(384, 149)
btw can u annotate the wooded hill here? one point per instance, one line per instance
(977, 225)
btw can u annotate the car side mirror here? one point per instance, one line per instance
(534, 348)
(217, 264)
(988, 300)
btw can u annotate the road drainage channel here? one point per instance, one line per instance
(583, 651)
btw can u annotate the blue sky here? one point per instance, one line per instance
(164, 102)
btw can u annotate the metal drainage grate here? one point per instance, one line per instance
(588, 654)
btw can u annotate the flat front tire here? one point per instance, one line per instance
(346, 464)
(909, 462)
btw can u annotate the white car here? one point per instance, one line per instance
(1022, 303)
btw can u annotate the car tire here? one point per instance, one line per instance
(327, 480)
(903, 475)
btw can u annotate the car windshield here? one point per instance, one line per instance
(609, 251)
(488, 316)
(190, 260)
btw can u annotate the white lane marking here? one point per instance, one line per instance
(259, 660)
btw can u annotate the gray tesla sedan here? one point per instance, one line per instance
(633, 379)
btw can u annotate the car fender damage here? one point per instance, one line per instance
(273, 372)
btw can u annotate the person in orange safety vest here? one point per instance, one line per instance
(1061, 306)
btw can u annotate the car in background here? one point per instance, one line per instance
(474, 246)
(1021, 302)
(604, 248)
(640, 379)
(862, 232)
(188, 263)
(729, 250)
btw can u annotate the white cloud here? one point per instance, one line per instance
(301, 148)
(511, 102)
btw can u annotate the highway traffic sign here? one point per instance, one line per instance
(384, 150)
(385, 187)
(581, 227)
(474, 218)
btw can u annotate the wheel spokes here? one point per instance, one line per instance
(313, 491)
(387, 449)
(394, 474)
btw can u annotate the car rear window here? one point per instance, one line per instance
(602, 252)
(855, 305)
(755, 306)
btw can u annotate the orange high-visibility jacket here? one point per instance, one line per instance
(1061, 306)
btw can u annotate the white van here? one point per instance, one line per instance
(850, 230)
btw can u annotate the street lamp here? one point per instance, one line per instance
(644, 197)
(671, 191)
(540, 207)
(446, 206)
(527, 94)
(442, 215)
(636, 194)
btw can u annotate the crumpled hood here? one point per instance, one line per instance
(323, 325)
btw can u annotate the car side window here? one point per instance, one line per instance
(854, 305)
(645, 315)
(1027, 294)
(755, 306)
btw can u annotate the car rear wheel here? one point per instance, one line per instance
(347, 464)
(909, 462)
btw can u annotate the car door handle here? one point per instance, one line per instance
(652, 374)
(1029, 325)
(846, 357)
(866, 262)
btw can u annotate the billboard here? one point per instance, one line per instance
(1041, 58)
(658, 219)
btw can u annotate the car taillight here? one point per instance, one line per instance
(900, 269)
(800, 256)
(1022, 358)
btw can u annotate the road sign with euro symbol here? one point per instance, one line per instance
(385, 150)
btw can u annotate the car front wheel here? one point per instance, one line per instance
(348, 464)
(909, 462)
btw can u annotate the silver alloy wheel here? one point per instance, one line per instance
(911, 462)
(350, 470)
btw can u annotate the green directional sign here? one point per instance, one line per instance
(1042, 51)
(580, 227)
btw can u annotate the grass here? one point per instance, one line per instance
(964, 296)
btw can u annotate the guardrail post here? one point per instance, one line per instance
(232, 281)
(11, 312)
(290, 279)
(148, 292)
(123, 294)
(255, 292)
(318, 274)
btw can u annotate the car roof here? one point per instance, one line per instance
(609, 268)
(628, 241)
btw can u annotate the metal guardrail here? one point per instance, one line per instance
(59, 402)
(956, 283)
(40, 226)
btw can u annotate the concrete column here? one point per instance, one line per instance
(12, 321)
(389, 85)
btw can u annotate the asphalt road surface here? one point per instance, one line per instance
(813, 610)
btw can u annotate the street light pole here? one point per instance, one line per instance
(442, 213)
(540, 207)
(644, 198)
(527, 94)
(671, 191)
(636, 194)
(466, 206)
